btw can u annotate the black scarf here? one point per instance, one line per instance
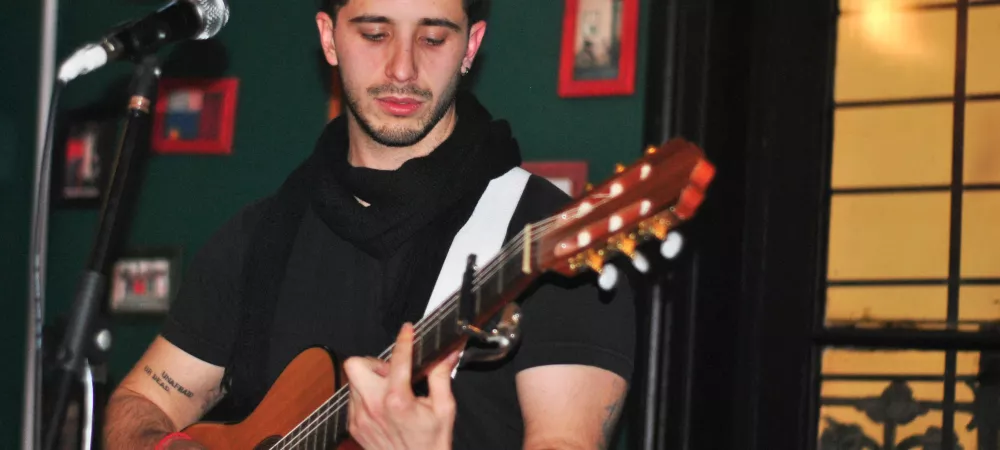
(422, 204)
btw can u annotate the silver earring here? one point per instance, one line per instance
(465, 70)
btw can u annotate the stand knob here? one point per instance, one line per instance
(608, 277)
(103, 340)
(672, 245)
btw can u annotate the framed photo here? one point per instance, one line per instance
(570, 176)
(195, 115)
(144, 281)
(599, 43)
(85, 146)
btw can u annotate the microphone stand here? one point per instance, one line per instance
(79, 337)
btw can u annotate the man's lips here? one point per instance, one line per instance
(399, 106)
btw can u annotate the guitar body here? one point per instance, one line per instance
(308, 381)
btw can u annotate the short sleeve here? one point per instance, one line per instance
(575, 322)
(204, 316)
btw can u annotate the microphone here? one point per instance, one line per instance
(175, 21)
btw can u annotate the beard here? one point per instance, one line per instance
(401, 135)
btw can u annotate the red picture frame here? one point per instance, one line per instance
(591, 64)
(195, 115)
(570, 176)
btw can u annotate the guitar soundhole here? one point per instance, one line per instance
(266, 444)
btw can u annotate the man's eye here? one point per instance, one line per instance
(374, 37)
(434, 42)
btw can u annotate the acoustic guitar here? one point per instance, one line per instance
(306, 408)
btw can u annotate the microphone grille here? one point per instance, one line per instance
(214, 16)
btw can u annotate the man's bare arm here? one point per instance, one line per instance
(569, 406)
(167, 390)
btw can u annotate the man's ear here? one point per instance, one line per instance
(476, 33)
(325, 25)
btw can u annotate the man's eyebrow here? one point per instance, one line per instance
(440, 23)
(426, 22)
(367, 18)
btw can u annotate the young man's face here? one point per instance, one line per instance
(400, 62)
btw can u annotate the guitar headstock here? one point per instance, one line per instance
(642, 202)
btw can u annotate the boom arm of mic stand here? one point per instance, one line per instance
(93, 283)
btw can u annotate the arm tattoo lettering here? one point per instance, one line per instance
(166, 382)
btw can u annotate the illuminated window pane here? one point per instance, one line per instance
(888, 236)
(981, 234)
(982, 142)
(867, 5)
(846, 305)
(886, 54)
(892, 146)
(978, 305)
(895, 362)
(983, 70)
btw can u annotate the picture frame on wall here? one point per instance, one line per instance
(599, 46)
(569, 176)
(144, 281)
(84, 148)
(195, 116)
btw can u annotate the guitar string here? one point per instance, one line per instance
(339, 398)
(336, 402)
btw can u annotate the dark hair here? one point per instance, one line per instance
(476, 9)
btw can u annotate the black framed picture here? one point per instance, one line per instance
(83, 151)
(144, 281)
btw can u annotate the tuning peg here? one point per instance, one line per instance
(588, 187)
(640, 262)
(671, 246)
(651, 149)
(619, 168)
(608, 277)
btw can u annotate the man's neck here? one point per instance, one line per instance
(365, 152)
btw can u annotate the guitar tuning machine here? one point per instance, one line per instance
(672, 245)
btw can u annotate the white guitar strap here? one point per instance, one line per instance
(482, 235)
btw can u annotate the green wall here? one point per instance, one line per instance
(281, 110)
(18, 82)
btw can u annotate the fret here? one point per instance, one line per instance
(479, 301)
(450, 318)
(336, 425)
(426, 346)
(311, 441)
(341, 424)
(499, 277)
(418, 359)
(437, 336)
(325, 443)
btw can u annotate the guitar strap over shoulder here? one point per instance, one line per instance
(482, 235)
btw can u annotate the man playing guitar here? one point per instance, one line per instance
(346, 254)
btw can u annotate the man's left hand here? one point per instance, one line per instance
(383, 412)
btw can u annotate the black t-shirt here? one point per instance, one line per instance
(327, 276)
